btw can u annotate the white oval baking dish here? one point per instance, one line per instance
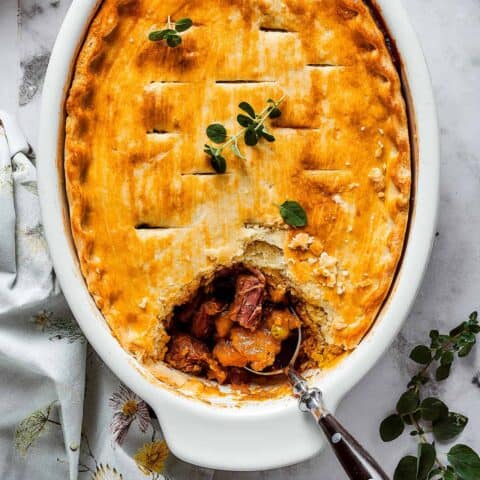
(257, 435)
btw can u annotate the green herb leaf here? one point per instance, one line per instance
(450, 426)
(217, 133)
(450, 475)
(219, 164)
(174, 40)
(421, 354)
(391, 428)
(251, 138)
(155, 36)
(248, 109)
(275, 113)
(161, 34)
(434, 334)
(183, 24)
(432, 409)
(267, 136)
(293, 214)
(406, 469)
(467, 337)
(465, 461)
(442, 372)
(408, 402)
(465, 343)
(457, 330)
(244, 121)
(447, 358)
(426, 460)
(465, 350)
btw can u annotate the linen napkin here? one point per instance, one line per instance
(26, 274)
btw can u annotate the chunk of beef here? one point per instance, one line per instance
(246, 308)
(258, 347)
(203, 318)
(192, 356)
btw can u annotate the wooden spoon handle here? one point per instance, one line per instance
(356, 461)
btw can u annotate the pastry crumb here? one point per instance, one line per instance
(328, 268)
(301, 241)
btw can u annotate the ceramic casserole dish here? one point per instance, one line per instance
(225, 433)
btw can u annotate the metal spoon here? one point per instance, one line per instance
(356, 461)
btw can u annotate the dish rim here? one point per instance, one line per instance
(183, 418)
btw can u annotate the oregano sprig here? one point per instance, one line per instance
(171, 33)
(430, 415)
(253, 130)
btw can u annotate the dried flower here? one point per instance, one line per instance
(152, 456)
(128, 407)
(105, 472)
(31, 427)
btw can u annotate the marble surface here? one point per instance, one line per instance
(448, 32)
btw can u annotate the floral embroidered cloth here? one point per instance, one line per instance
(49, 375)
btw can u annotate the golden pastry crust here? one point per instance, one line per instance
(135, 129)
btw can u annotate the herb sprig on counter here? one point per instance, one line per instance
(171, 33)
(253, 130)
(430, 416)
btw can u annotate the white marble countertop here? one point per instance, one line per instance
(449, 33)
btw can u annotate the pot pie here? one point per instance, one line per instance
(197, 269)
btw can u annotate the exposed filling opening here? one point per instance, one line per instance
(237, 320)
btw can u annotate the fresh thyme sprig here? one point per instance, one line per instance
(253, 130)
(411, 410)
(171, 33)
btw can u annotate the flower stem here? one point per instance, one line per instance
(424, 439)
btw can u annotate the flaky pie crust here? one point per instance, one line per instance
(135, 130)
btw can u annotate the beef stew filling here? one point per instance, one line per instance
(235, 321)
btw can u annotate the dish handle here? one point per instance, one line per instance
(237, 438)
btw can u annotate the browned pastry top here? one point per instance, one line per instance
(136, 117)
